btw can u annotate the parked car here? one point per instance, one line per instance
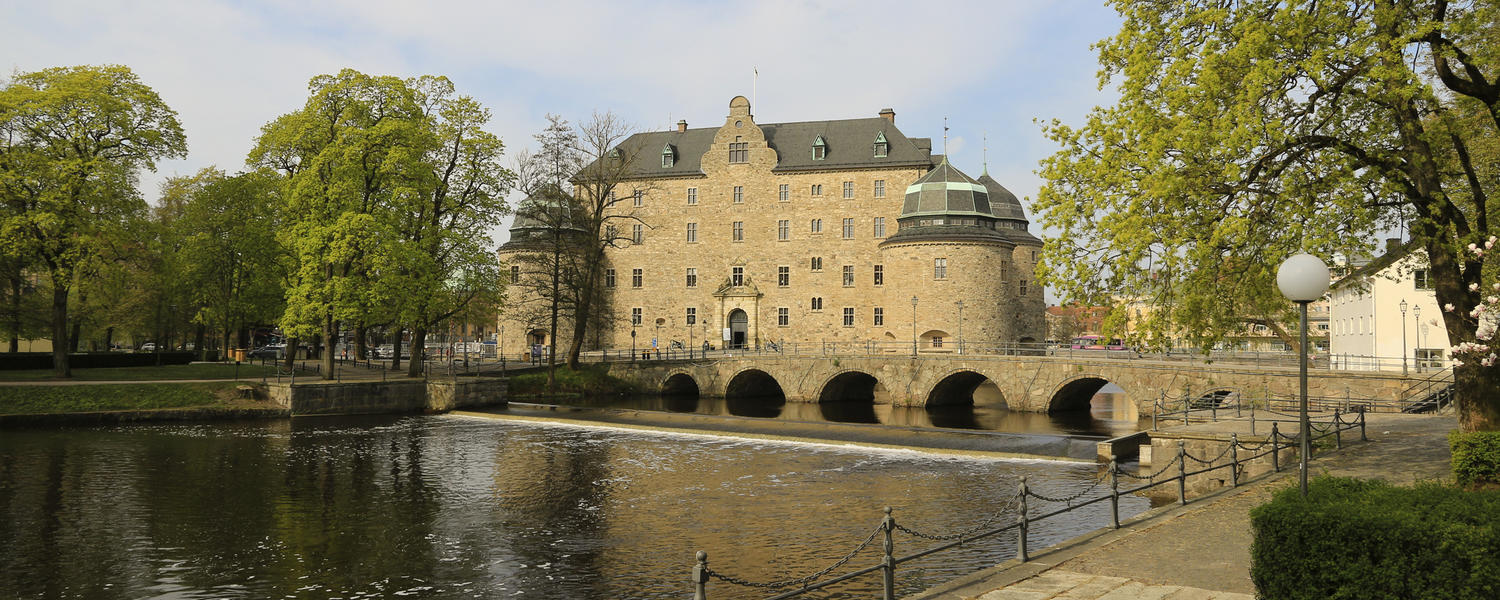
(148, 347)
(269, 351)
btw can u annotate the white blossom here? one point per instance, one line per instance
(1473, 287)
(1449, 306)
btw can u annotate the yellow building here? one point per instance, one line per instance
(842, 231)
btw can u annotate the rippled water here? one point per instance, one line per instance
(458, 507)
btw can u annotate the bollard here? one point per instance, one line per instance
(1186, 409)
(1021, 539)
(1362, 437)
(700, 577)
(1234, 460)
(1338, 430)
(1114, 494)
(1275, 448)
(1181, 472)
(890, 557)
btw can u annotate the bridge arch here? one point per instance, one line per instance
(680, 384)
(1076, 393)
(753, 383)
(966, 387)
(1217, 398)
(853, 386)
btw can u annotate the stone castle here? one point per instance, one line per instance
(762, 235)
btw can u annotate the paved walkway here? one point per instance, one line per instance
(1202, 550)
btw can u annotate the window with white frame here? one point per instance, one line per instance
(783, 276)
(637, 233)
(739, 152)
(879, 317)
(635, 316)
(739, 194)
(816, 303)
(692, 277)
(849, 229)
(879, 188)
(783, 316)
(783, 230)
(817, 263)
(609, 278)
(635, 278)
(879, 274)
(815, 226)
(939, 268)
(816, 189)
(880, 227)
(638, 199)
(784, 192)
(848, 316)
(737, 276)
(848, 190)
(848, 275)
(692, 232)
(692, 196)
(692, 315)
(739, 231)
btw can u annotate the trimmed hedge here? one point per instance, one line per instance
(43, 360)
(1476, 457)
(1358, 539)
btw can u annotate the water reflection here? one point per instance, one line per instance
(449, 507)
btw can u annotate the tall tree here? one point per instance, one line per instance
(1247, 131)
(71, 140)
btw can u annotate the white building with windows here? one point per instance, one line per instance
(1384, 315)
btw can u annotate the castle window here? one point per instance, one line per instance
(820, 149)
(1033, 256)
(668, 158)
(879, 188)
(848, 190)
(638, 199)
(783, 230)
(1023, 287)
(692, 315)
(783, 276)
(882, 148)
(692, 232)
(816, 189)
(815, 226)
(739, 194)
(692, 277)
(1004, 271)
(739, 152)
(848, 229)
(817, 263)
(783, 316)
(692, 196)
(848, 316)
(939, 268)
(937, 341)
(515, 273)
(879, 274)
(737, 276)
(635, 278)
(817, 303)
(879, 317)
(784, 192)
(848, 275)
(739, 231)
(609, 278)
(880, 227)
(637, 233)
(635, 316)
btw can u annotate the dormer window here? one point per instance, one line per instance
(614, 152)
(820, 149)
(668, 157)
(882, 147)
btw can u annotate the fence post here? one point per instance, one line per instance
(1186, 409)
(700, 577)
(890, 557)
(1234, 460)
(1275, 448)
(1156, 408)
(1338, 430)
(1362, 437)
(1021, 540)
(1114, 494)
(1181, 472)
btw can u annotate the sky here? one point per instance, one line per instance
(995, 69)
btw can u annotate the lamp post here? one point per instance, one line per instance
(1416, 319)
(633, 325)
(1403, 338)
(960, 326)
(1302, 279)
(914, 326)
(690, 338)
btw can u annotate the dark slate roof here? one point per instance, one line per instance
(850, 143)
(530, 215)
(945, 190)
(1002, 202)
(948, 233)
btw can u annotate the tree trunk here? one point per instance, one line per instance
(199, 335)
(396, 352)
(291, 351)
(73, 335)
(418, 343)
(360, 345)
(550, 349)
(1475, 392)
(15, 314)
(324, 344)
(60, 331)
(109, 338)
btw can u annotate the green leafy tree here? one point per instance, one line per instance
(71, 140)
(1248, 131)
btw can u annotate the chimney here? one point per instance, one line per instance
(1392, 244)
(682, 126)
(890, 115)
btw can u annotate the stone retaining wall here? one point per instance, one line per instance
(373, 397)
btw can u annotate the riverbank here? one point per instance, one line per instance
(1201, 550)
(113, 402)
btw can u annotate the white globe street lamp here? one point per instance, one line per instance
(1302, 279)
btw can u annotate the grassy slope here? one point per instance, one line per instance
(132, 396)
(590, 380)
(195, 371)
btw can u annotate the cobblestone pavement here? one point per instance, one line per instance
(1202, 550)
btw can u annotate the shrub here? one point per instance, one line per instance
(1363, 539)
(1476, 457)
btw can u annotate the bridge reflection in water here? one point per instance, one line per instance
(962, 401)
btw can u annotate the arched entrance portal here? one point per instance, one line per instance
(739, 327)
(754, 393)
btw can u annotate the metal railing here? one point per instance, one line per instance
(949, 349)
(986, 528)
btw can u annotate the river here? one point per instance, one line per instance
(468, 507)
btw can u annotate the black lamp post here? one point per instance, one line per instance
(914, 326)
(1302, 279)
(1403, 338)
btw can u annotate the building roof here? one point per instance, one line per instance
(945, 190)
(1380, 263)
(850, 144)
(1003, 203)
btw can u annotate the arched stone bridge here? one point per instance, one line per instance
(1027, 383)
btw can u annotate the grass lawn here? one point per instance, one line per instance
(197, 371)
(125, 396)
(590, 380)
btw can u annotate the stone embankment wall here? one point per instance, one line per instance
(1214, 449)
(372, 397)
